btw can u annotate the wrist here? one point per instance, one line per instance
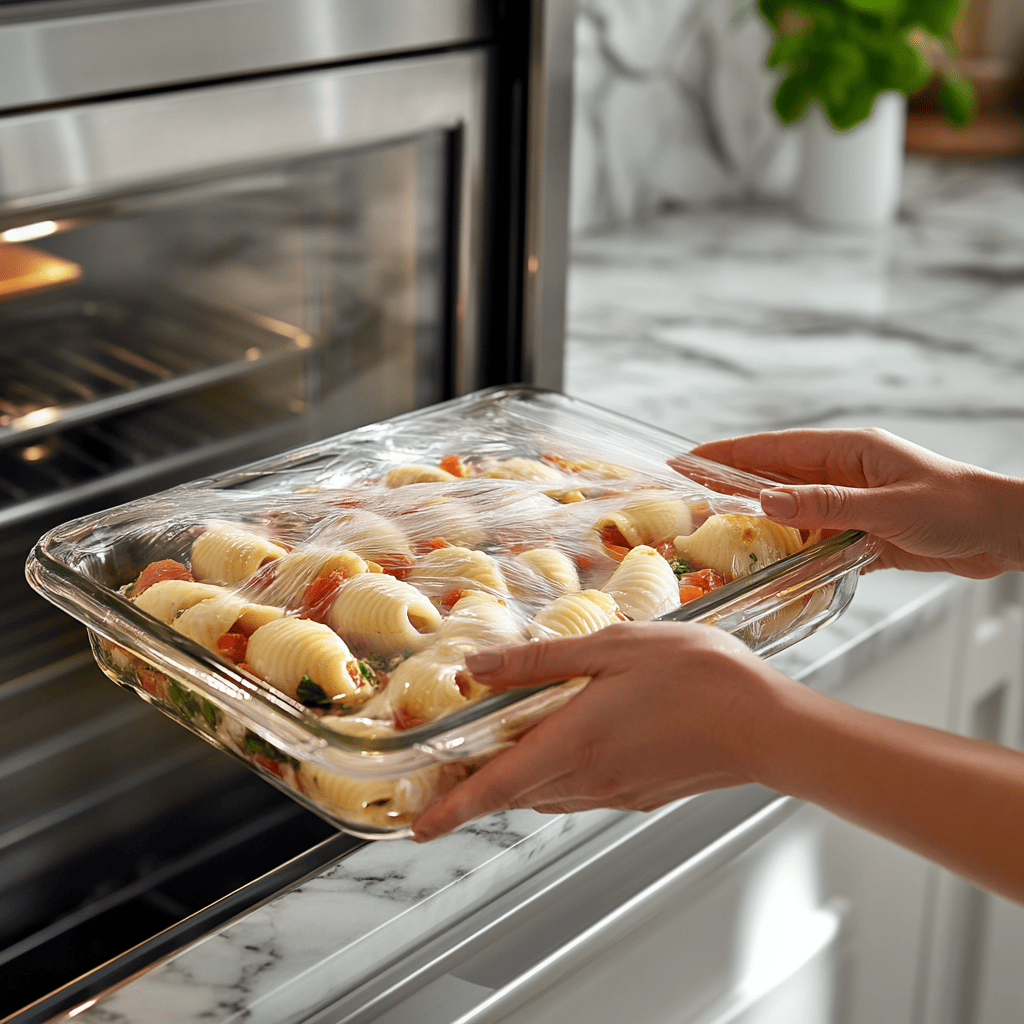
(1002, 509)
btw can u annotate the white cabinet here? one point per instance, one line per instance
(925, 947)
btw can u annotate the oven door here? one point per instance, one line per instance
(190, 279)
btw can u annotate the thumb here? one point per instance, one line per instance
(826, 506)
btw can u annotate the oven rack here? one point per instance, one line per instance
(87, 354)
(122, 452)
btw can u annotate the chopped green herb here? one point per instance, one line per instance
(253, 744)
(680, 566)
(310, 693)
(753, 557)
(210, 712)
(366, 672)
(183, 700)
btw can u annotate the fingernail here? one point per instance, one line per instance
(778, 504)
(482, 662)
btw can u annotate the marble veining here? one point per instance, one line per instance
(709, 323)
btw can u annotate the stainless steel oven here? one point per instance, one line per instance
(227, 227)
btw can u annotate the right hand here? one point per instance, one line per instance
(934, 514)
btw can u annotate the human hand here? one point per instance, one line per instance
(672, 709)
(935, 514)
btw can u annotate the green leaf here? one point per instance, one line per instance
(903, 68)
(792, 98)
(958, 98)
(184, 700)
(937, 16)
(874, 6)
(854, 108)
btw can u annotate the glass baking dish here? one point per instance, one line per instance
(527, 470)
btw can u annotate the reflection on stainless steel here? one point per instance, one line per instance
(547, 212)
(72, 52)
(137, 144)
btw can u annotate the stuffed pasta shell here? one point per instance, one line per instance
(523, 469)
(575, 615)
(480, 620)
(289, 651)
(168, 599)
(431, 684)
(207, 621)
(647, 519)
(226, 553)
(401, 476)
(542, 571)
(375, 803)
(736, 545)
(380, 614)
(367, 534)
(293, 572)
(644, 585)
(457, 568)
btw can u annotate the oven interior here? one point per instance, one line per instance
(148, 339)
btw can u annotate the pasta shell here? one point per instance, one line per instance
(226, 553)
(457, 568)
(401, 476)
(169, 598)
(657, 516)
(287, 650)
(736, 545)
(293, 572)
(575, 615)
(209, 620)
(480, 620)
(378, 613)
(524, 469)
(543, 571)
(644, 585)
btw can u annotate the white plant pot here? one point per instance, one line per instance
(852, 179)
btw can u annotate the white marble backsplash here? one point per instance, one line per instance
(673, 109)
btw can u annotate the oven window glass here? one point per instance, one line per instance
(212, 322)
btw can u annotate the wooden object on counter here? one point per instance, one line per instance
(998, 130)
(24, 270)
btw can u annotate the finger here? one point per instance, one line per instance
(881, 511)
(815, 456)
(540, 661)
(530, 765)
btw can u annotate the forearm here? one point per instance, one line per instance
(952, 799)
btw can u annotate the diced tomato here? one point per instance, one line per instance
(272, 766)
(157, 572)
(453, 464)
(560, 462)
(611, 536)
(153, 682)
(616, 551)
(233, 646)
(436, 543)
(666, 548)
(703, 581)
(452, 598)
(396, 565)
(320, 595)
(584, 562)
(405, 720)
(464, 681)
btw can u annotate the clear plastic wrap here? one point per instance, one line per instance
(310, 614)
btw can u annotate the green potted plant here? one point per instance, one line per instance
(847, 67)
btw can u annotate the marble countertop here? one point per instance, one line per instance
(708, 324)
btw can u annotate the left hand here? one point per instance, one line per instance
(672, 709)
